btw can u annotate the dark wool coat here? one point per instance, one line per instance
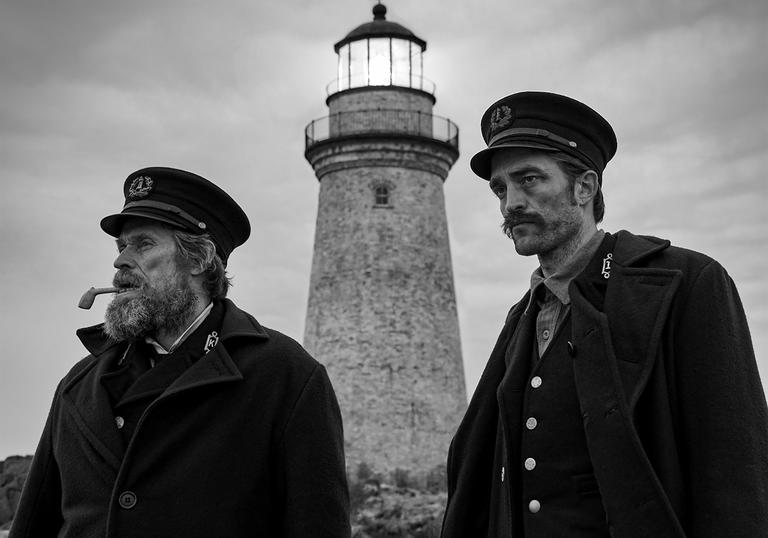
(673, 409)
(246, 442)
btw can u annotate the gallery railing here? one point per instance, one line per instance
(381, 122)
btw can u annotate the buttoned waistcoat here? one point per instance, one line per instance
(673, 410)
(246, 442)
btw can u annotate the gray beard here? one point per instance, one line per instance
(138, 317)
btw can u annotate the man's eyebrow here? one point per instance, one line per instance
(141, 236)
(518, 172)
(527, 169)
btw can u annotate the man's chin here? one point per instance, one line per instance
(526, 244)
(126, 317)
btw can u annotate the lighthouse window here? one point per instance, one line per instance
(382, 195)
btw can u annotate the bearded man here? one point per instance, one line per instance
(622, 397)
(188, 418)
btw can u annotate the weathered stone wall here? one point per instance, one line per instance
(382, 308)
(380, 98)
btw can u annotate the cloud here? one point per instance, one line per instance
(94, 90)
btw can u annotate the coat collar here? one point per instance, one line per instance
(237, 323)
(631, 249)
(89, 404)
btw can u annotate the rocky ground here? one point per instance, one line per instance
(378, 510)
(389, 512)
(13, 472)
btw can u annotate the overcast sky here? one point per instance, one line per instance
(92, 90)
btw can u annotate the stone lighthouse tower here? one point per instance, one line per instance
(382, 307)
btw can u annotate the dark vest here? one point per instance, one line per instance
(545, 484)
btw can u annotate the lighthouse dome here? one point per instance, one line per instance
(380, 27)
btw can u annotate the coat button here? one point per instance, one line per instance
(536, 382)
(545, 334)
(120, 422)
(534, 506)
(571, 349)
(530, 464)
(127, 500)
(531, 423)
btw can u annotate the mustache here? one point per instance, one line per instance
(124, 279)
(513, 218)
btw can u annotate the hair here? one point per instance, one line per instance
(572, 168)
(200, 251)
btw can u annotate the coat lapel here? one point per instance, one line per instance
(470, 457)
(87, 404)
(215, 367)
(638, 301)
(614, 356)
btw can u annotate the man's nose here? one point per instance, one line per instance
(513, 200)
(123, 260)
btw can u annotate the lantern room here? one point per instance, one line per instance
(380, 53)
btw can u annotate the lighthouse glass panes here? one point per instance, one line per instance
(380, 61)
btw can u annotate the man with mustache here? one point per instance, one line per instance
(188, 418)
(622, 397)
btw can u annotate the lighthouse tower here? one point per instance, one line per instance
(382, 307)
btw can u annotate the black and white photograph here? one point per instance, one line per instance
(375, 269)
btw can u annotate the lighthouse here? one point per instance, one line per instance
(381, 314)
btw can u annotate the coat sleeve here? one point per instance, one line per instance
(39, 510)
(723, 412)
(316, 494)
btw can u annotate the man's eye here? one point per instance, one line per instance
(527, 180)
(498, 191)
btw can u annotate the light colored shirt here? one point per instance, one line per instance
(551, 293)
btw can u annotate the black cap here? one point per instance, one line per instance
(184, 200)
(545, 121)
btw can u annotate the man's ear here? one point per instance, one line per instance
(196, 269)
(585, 187)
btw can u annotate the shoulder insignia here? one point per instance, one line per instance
(607, 265)
(211, 342)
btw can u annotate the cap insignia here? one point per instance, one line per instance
(501, 117)
(140, 187)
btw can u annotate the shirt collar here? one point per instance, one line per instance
(194, 325)
(558, 282)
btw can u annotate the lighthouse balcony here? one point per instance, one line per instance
(381, 122)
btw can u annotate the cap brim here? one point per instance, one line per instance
(481, 161)
(113, 224)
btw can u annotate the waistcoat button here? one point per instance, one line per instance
(531, 423)
(530, 464)
(534, 506)
(536, 382)
(120, 422)
(127, 500)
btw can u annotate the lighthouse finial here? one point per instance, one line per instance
(379, 12)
